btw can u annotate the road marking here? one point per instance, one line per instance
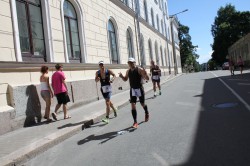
(235, 93)
(185, 104)
(243, 83)
(162, 161)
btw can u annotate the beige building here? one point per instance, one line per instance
(77, 33)
(241, 48)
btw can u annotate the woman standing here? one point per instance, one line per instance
(241, 64)
(46, 92)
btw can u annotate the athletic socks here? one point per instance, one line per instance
(134, 114)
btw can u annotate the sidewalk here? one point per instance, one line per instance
(20, 145)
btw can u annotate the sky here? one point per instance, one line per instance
(200, 17)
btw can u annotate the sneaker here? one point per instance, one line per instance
(155, 94)
(135, 125)
(115, 111)
(105, 120)
(160, 93)
(146, 117)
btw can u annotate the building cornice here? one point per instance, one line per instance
(35, 67)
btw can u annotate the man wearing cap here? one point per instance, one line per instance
(135, 75)
(60, 91)
(103, 75)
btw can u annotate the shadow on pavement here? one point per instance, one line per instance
(85, 124)
(107, 136)
(223, 134)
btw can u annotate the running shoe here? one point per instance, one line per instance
(105, 120)
(159, 92)
(135, 125)
(115, 111)
(146, 117)
(155, 94)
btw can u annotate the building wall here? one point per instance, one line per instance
(6, 32)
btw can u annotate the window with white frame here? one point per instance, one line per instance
(72, 32)
(152, 17)
(146, 10)
(150, 50)
(156, 53)
(112, 42)
(157, 19)
(31, 32)
(129, 43)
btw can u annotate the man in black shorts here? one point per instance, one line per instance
(135, 75)
(155, 73)
(103, 75)
(60, 91)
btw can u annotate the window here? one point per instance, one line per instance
(150, 50)
(31, 34)
(165, 54)
(72, 33)
(162, 28)
(162, 62)
(157, 19)
(129, 44)
(112, 42)
(142, 50)
(166, 8)
(146, 10)
(125, 2)
(162, 5)
(152, 17)
(156, 53)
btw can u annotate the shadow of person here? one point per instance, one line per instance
(33, 107)
(105, 137)
(85, 124)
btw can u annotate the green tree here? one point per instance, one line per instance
(187, 49)
(229, 26)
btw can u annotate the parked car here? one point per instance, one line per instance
(225, 66)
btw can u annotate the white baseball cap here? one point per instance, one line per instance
(101, 62)
(131, 59)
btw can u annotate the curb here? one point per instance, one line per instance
(32, 150)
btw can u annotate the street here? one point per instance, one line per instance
(201, 119)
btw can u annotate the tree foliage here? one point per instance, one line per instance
(229, 26)
(187, 49)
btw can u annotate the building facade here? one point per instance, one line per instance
(78, 34)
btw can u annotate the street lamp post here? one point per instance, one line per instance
(172, 19)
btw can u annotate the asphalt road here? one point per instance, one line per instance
(201, 119)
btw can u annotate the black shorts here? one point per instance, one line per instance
(159, 80)
(133, 99)
(62, 98)
(106, 95)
